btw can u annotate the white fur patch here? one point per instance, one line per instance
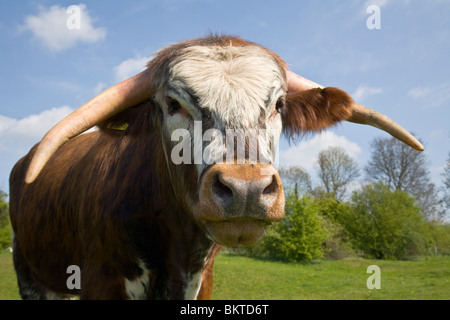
(136, 289)
(193, 283)
(232, 82)
(239, 87)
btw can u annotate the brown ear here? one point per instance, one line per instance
(314, 110)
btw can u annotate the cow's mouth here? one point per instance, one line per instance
(236, 232)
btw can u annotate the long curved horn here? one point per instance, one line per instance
(108, 103)
(360, 114)
(364, 115)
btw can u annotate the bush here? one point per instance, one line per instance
(5, 236)
(337, 245)
(298, 237)
(441, 238)
(386, 224)
(5, 225)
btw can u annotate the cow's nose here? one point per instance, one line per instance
(232, 191)
(245, 197)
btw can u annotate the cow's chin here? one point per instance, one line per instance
(231, 233)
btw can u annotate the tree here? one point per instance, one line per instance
(401, 167)
(441, 238)
(5, 225)
(297, 179)
(338, 244)
(299, 236)
(446, 181)
(336, 170)
(386, 224)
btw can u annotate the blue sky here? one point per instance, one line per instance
(401, 69)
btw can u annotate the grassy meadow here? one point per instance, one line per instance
(8, 281)
(245, 278)
(242, 278)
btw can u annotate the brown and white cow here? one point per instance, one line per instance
(140, 224)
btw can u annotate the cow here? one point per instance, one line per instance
(133, 205)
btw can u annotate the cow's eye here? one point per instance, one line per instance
(173, 105)
(280, 105)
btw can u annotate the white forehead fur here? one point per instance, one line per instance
(234, 83)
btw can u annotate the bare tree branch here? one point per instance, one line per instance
(401, 167)
(336, 170)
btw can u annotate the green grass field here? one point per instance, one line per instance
(247, 279)
(8, 281)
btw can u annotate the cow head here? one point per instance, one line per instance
(224, 103)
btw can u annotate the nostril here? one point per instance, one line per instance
(221, 190)
(272, 187)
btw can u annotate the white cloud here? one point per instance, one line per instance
(364, 91)
(368, 3)
(432, 96)
(17, 136)
(50, 27)
(22, 134)
(384, 3)
(419, 92)
(380, 3)
(130, 67)
(305, 153)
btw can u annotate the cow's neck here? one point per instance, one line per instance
(184, 245)
(185, 259)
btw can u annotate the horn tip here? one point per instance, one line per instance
(415, 143)
(419, 147)
(30, 177)
(33, 171)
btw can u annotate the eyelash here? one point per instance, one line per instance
(280, 105)
(173, 106)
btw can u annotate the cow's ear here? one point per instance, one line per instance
(314, 110)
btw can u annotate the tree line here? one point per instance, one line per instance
(392, 163)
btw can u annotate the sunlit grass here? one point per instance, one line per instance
(245, 278)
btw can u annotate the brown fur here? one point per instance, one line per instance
(206, 289)
(105, 224)
(314, 110)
